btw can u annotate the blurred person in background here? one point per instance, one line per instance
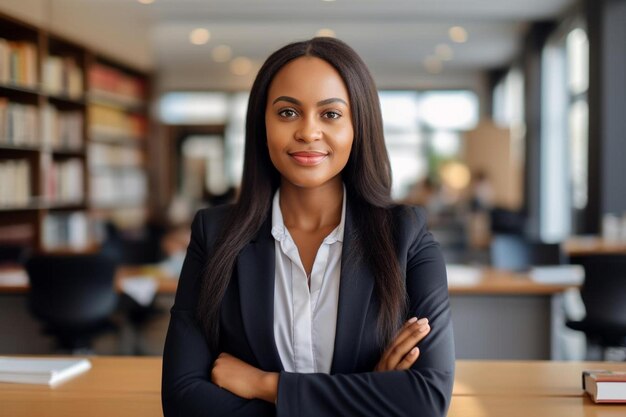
(481, 202)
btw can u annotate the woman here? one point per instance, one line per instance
(292, 301)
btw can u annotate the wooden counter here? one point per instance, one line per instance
(167, 284)
(592, 245)
(516, 406)
(524, 378)
(131, 386)
(499, 282)
(492, 281)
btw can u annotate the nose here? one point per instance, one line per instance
(308, 130)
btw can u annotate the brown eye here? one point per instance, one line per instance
(287, 113)
(332, 115)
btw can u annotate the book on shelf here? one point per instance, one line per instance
(62, 129)
(115, 83)
(15, 187)
(62, 76)
(112, 122)
(119, 187)
(112, 155)
(18, 63)
(18, 123)
(5, 60)
(605, 386)
(46, 371)
(64, 181)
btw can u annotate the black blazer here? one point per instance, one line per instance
(246, 331)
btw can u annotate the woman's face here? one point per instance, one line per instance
(308, 123)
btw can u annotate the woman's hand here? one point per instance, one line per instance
(402, 352)
(244, 380)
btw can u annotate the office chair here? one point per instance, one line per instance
(139, 247)
(74, 296)
(13, 253)
(504, 221)
(546, 254)
(604, 295)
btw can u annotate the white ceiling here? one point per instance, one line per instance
(394, 37)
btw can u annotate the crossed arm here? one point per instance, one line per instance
(248, 382)
(199, 382)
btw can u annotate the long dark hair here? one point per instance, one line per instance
(367, 177)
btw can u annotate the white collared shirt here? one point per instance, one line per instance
(305, 320)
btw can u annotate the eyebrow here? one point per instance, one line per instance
(319, 103)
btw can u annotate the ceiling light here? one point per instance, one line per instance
(433, 65)
(199, 36)
(222, 53)
(328, 1)
(240, 66)
(325, 32)
(146, 1)
(444, 52)
(458, 34)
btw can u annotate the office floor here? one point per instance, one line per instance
(147, 339)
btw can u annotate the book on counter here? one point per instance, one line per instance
(605, 386)
(46, 371)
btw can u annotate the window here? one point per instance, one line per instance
(191, 108)
(403, 138)
(564, 136)
(508, 99)
(577, 46)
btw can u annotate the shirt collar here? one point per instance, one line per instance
(279, 230)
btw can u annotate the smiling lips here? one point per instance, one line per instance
(308, 158)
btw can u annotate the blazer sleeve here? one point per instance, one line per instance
(424, 390)
(187, 389)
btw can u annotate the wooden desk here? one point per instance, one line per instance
(115, 386)
(592, 245)
(524, 378)
(492, 282)
(527, 388)
(124, 386)
(499, 282)
(167, 284)
(515, 406)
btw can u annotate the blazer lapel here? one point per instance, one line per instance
(255, 270)
(355, 290)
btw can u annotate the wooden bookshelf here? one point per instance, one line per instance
(73, 141)
(117, 140)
